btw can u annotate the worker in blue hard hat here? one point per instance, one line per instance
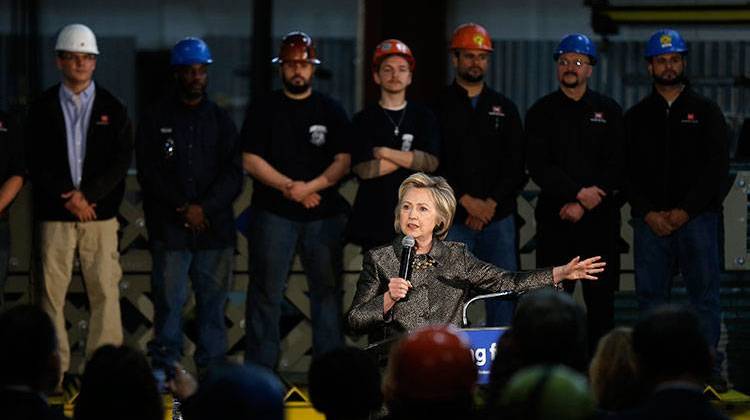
(575, 138)
(678, 160)
(190, 59)
(190, 173)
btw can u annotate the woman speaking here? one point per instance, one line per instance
(444, 274)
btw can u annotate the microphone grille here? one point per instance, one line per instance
(408, 242)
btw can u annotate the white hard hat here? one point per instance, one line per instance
(77, 38)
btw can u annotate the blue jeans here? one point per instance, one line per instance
(210, 272)
(4, 257)
(495, 244)
(694, 248)
(273, 240)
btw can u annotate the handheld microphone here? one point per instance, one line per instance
(407, 256)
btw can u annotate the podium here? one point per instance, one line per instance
(483, 341)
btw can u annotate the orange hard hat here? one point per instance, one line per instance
(392, 47)
(296, 46)
(471, 36)
(432, 363)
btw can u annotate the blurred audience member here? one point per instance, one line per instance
(548, 327)
(29, 364)
(118, 384)
(431, 375)
(613, 373)
(546, 392)
(232, 391)
(674, 361)
(345, 384)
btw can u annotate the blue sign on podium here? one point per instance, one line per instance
(483, 343)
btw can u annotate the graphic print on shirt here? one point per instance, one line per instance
(318, 134)
(406, 141)
(168, 147)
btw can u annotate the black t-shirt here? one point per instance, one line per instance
(372, 218)
(11, 152)
(11, 149)
(299, 138)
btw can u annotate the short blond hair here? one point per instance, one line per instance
(442, 194)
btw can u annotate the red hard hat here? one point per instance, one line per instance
(392, 47)
(433, 363)
(296, 46)
(471, 36)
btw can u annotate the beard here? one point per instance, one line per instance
(664, 81)
(193, 92)
(296, 88)
(570, 85)
(471, 77)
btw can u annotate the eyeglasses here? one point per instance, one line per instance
(564, 62)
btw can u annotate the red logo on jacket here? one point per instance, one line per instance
(497, 111)
(103, 120)
(598, 117)
(690, 118)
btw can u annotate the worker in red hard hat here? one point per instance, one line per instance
(431, 374)
(393, 139)
(296, 148)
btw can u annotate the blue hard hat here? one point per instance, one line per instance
(665, 41)
(576, 43)
(191, 51)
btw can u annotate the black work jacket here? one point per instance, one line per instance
(109, 151)
(189, 156)
(576, 144)
(677, 155)
(482, 150)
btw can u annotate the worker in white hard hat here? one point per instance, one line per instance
(82, 143)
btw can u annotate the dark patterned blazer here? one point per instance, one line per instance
(444, 280)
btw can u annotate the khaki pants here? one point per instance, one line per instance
(98, 253)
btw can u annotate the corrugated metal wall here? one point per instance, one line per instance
(524, 71)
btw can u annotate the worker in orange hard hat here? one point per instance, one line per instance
(482, 158)
(296, 148)
(471, 36)
(394, 139)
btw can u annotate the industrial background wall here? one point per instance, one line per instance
(522, 69)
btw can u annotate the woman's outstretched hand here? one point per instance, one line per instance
(579, 270)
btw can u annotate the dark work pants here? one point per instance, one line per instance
(558, 243)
